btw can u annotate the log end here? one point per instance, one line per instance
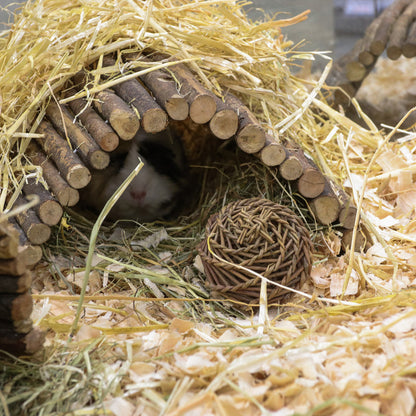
(202, 109)
(366, 58)
(67, 196)
(154, 120)
(273, 154)
(32, 255)
(291, 169)
(251, 139)
(356, 71)
(78, 176)
(38, 233)
(109, 142)
(377, 47)
(177, 108)
(99, 160)
(409, 50)
(394, 52)
(326, 209)
(361, 241)
(347, 217)
(224, 124)
(311, 184)
(125, 124)
(50, 212)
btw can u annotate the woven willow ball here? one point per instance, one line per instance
(262, 236)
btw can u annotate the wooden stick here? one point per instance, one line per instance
(362, 241)
(14, 267)
(36, 231)
(347, 214)
(202, 103)
(312, 182)
(399, 31)
(68, 163)
(86, 146)
(102, 133)
(165, 90)
(326, 206)
(48, 210)
(65, 194)
(385, 23)
(224, 123)
(9, 241)
(13, 284)
(250, 136)
(273, 153)
(365, 56)
(409, 45)
(15, 307)
(292, 168)
(29, 253)
(153, 118)
(122, 118)
(19, 344)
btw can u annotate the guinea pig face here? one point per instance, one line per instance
(150, 195)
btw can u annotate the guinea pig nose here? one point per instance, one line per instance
(138, 195)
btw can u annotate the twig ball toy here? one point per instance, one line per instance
(251, 238)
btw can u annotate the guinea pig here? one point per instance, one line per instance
(155, 191)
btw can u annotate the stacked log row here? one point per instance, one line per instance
(17, 334)
(78, 136)
(394, 31)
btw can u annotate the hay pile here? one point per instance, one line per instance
(151, 340)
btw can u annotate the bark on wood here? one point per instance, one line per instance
(102, 133)
(65, 194)
(165, 90)
(48, 210)
(122, 118)
(250, 136)
(399, 31)
(15, 307)
(386, 21)
(15, 284)
(36, 231)
(68, 163)
(85, 145)
(9, 241)
(19, 344)
(409, 45)
(202, 103)
(153, 117)
(224, 123)
(326, 206)
(273, 153)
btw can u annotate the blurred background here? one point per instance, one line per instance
(333, 25)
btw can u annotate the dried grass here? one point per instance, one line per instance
(150, 339)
